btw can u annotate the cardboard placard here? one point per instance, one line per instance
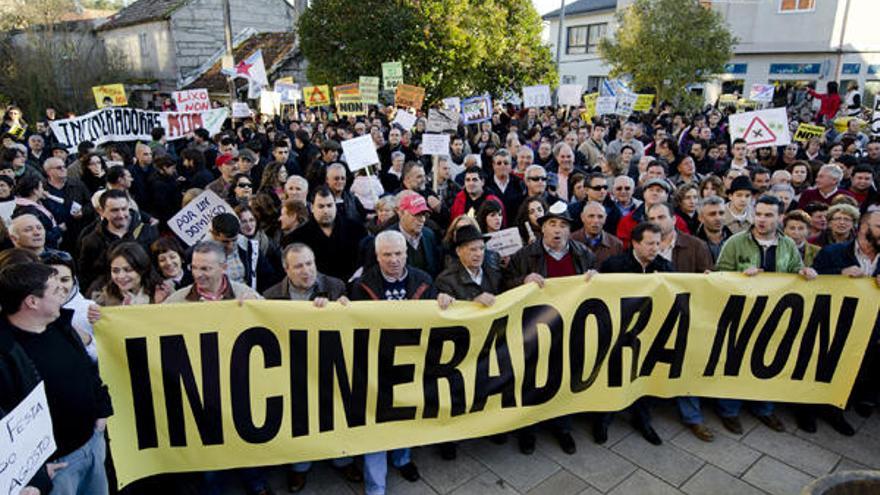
(192, 100)
(270, 103)
(435, 144)
(369, 88)
(452, 103)
(643, 103)
(505, 242)
(806, 131)
(289, 92)
(569, 94)
(407, 96)
(875, 118)
(761, 128)
(440, 120)
(193, 222)
(360, 152)
(316, 96)
(476, 109)
(589, 106)
(625, 103)
(536, 96)
(240, 110)
(762, 93)
(27, 440)
(606, 105)
(392, 75)
(405, 120)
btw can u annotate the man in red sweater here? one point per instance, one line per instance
(468, 200)
(827, 182)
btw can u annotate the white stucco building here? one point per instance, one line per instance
(792, 42)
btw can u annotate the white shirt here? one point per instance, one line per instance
(867, 264)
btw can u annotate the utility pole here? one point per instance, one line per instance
(839, 66)
(227, 23)
(559, 38)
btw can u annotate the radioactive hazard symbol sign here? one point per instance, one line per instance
(758, 133)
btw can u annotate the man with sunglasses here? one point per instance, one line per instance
(508, 187)
(536, 184)
(596, 185)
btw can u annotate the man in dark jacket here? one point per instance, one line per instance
(31, 298)
(859, 257)
(303, 281)
(391, 279)
(163, 190)
(555, 255)
(116, 225)
(643, 257)
(506, 186)
(245, 262)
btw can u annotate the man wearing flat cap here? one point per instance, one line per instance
(556, 255)
(655, 191)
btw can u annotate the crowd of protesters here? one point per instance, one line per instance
(662, 191)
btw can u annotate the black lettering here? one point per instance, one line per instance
(504, 383)
(629, 337)
(141, 392)
(240, 385)
(299, 382)
(460, 338)
(680, 312)
(532, 316)
(795, 303)
(737, 340)
(331, 367)
(829, 349)
(391, 374)
(176, 371)
(578, 342)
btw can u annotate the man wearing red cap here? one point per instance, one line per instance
(227, 167)
(422, 247)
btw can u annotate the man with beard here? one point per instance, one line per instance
(858, 258)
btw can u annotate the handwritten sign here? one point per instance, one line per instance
(477, 109)
(404, 119)
(240, 110)
(350, 104)
(625, 103)
(193, 222)
(643, 103)
(505, 242)
(805, 132)
(270, 103)
(110, 95)
(536, 96)
(408, 96)
(589, 106)
(762, 93)
(288, 92)
(26, 441)
(360, 152)
(440, 120)
(435, 144)
(392, 75)
(606, 105)
(369, 88)
(452, 103)
(569, 94)
(192, 100)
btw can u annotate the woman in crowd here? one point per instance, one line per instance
(842, 222)
(712, 186)
(93, 172)
(686, 198)
(242, 190)
(168, 261)
(801, 176)
(130, 278)
(490, 216)
(273, 180)
(527, 217)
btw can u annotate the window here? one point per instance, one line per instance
(796, 5)
(585, 39)
(593, 83)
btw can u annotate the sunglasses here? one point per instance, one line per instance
(246, 185)
(538, 179)
(598, 188)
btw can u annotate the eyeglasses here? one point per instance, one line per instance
(598, 188)
(540, 178)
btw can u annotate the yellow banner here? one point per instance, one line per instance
(643, 103)
(205, 386)
(589, 106)
(316, 96)
(110, 95)
(806, 131)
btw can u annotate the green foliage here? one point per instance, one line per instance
(451, 48)
(668, 44)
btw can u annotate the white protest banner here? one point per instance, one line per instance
(405, 120)
(193, 221)
(360, 152)
(26, 441)
(477, 109)
(505, 242)
(240, 110)
(625, 103)
(435, 144)
(288, 92)
(131, 124)
(270, 103)
(192, 100)
(761, 128)
(762, 93)
(536, 96)
(452, 103)
(569, 94)
(606, 105)
(440, 120)
(369, 88)
(875, 117)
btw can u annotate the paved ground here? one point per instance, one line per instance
(759, 461)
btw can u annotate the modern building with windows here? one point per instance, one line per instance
(787, 42)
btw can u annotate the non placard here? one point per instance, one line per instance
(806, 131)
(536, 96)
(569, 94)
(435, 144)
(360, 152)
(192, 100)
(193, 222)
(761, 128)
(505, 242)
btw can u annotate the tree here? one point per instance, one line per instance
(451, 48)
(665, 45)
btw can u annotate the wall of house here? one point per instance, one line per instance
(148, 48)
(198, 28)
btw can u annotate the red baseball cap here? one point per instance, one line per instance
(223, 159)
(413, 204)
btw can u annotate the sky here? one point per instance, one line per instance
(544, 6)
